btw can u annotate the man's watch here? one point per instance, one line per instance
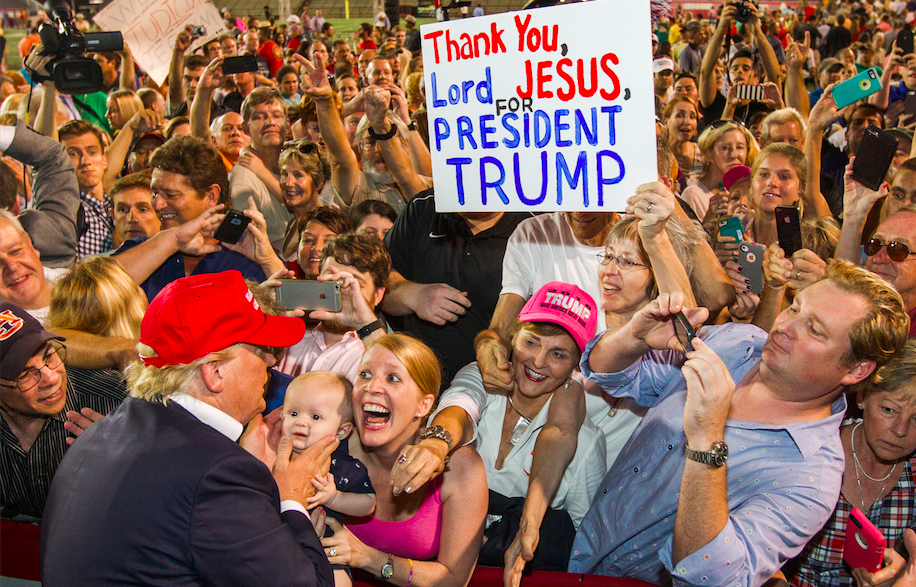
(370, 328)
(715, 456)
(387, 568)
(438, 432)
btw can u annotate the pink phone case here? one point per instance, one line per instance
(864, 545)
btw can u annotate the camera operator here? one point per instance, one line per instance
(742, 67)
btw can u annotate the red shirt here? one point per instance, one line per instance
(368, 44)
(269, 52)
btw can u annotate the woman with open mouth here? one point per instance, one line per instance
(418, 535)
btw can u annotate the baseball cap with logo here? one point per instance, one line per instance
(564, 305)
(21, 336)
(201, 314)
(662, 64)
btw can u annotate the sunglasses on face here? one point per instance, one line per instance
(896, 251)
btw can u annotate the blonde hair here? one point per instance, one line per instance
(420, 361)
(97, 296)
(821, 235)
(708, 139)
(158, 383)
(128, 103)
(796, 157)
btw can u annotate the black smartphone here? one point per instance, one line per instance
(875, 154)
(905, 40)
(308, 294)
(910, 104)
(233, 226)
(239, 64)
(198, 31)
(788, 229)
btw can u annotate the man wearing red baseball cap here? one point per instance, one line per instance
(160, 492)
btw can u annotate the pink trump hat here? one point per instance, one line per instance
(565, 305)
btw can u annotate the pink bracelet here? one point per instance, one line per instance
(410, 576)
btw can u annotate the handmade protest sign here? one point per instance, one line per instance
(546, 109)
(149, 28)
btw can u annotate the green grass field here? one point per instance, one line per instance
(343, 27)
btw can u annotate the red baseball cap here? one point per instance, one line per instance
(201, 314)
(565, 305)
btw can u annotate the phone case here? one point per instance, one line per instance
(788, 229)
(731, 226)
(875, 155)
(750, 259)
(905, 40)
(909, 106)
(309, 294)
(745, 92)
(864, 544)
(855, 88)
(239, 64)
(232, 228)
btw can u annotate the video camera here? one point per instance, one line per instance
(71, 72)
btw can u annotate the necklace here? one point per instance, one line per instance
(858, 466)
(520, 426)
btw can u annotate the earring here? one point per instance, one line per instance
(417, 417)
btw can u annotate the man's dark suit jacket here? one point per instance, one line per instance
(152, 496)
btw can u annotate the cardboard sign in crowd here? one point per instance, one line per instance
(149, 28)
(545, 109)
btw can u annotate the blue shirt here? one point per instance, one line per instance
(783, 481)
(897, 93)
(173, 268)
(815, 95)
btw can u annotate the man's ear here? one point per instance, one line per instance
(344, 431)
(212, 195)
(859, 372)
(379, 294)
(212, 378)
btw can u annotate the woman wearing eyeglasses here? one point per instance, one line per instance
(878, 481)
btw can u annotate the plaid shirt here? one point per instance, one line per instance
(821, 563)
(97, 216)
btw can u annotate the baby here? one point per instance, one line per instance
(319, 404)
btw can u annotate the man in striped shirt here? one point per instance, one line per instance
(36, 397)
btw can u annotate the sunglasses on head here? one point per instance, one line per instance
(896, 251)
(721, 122)
(302, 145)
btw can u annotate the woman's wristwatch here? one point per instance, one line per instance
(387, 568)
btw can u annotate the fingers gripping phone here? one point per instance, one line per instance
(240, 64)
(731, 226)
(864, 545)
(750, 259)
(874, 157)
(857, 88)
(308, 294)
(788, 229)
(232, 228)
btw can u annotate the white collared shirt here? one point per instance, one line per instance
(225, 425)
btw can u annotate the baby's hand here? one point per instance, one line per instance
(325, 491)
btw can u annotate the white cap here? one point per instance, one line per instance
(661, 64)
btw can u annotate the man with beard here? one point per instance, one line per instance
(264, 115)
(361, 264)
(376, 180)
(84, 144)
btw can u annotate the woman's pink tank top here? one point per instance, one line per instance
(416, 538)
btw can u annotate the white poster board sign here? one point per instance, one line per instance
(149, 28)
(545, 109)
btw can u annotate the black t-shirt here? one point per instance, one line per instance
(428, 247)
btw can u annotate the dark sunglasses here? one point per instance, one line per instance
(896, 251)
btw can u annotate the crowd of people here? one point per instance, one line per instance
(612, 393)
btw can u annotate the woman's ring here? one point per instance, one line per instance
(403, 459)
(797, 273)
(332, 552)
(649, 206)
